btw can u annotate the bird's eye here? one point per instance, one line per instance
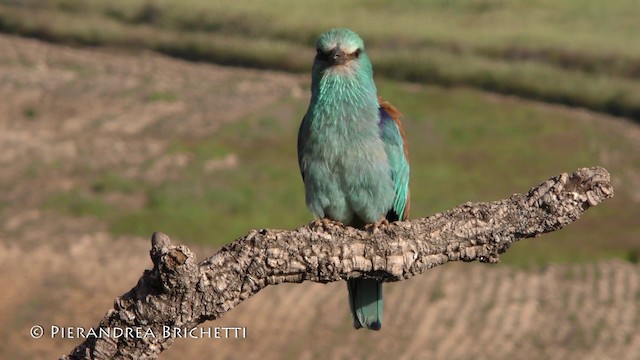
(318, 52)
(356, 54)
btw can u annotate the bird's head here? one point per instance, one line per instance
(340, 51)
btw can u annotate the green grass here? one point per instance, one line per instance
(30, 113)
(80, 204)
(263, 191)
(163, 96)
(113, 183)
(464, 144)
(580, 53)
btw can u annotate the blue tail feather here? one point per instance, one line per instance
(365, 301)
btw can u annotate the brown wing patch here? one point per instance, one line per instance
(407, 205)
(396, 115)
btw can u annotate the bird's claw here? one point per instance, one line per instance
(376, 226)
(325, 224)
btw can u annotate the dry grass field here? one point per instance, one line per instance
(103, 125)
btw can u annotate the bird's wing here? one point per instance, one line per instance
(395, 144)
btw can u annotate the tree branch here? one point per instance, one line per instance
(178, 292)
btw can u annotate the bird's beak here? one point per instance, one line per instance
(338, 57)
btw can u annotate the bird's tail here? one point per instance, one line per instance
(365, 301)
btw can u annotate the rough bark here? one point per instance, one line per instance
(178, 292)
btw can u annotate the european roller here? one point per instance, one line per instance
(352, 154)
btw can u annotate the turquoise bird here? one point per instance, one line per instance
(352, 154)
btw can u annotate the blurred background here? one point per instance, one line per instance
(120, 118)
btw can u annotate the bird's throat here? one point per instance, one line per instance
(341, 97)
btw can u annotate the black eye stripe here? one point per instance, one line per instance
(321, 54)
(327, 55)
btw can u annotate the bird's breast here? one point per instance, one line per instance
(346, 169)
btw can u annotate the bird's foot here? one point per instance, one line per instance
(325, 224)
(376, 226)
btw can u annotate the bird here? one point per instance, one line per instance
(353, 155)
